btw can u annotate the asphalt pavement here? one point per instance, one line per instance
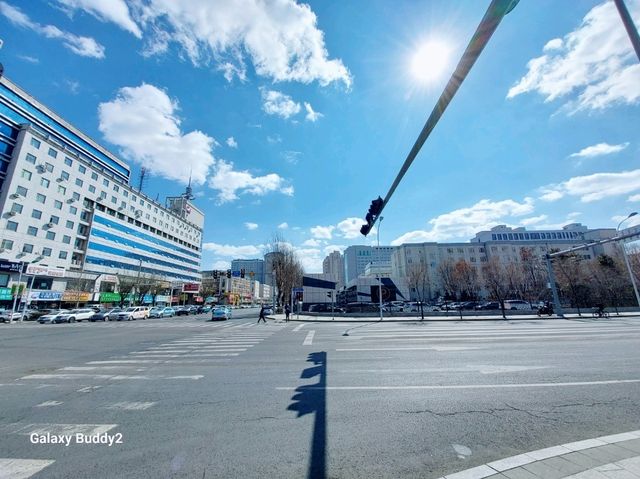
(186, 397)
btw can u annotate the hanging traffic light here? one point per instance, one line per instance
(228, 273)
(242, 272)
(215, 275)
(374, 211)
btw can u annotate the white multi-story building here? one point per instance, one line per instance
(357, 257)
(67, 202)
(333, 265)
(253, 268)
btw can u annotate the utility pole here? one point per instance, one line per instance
(15, 298)
(626, 258)
(379, 275)
(629, 26)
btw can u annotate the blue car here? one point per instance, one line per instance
(221, 313)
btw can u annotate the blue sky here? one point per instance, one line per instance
(292, 117)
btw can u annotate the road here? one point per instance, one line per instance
(192, 398)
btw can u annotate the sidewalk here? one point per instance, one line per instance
(452, 317)
(607, 457)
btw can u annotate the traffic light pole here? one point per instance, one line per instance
(379, 276)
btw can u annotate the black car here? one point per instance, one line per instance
(100, 315)
(181, 311)
(193, 310)
(493, 305)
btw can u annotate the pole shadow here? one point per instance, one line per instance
(312, 398)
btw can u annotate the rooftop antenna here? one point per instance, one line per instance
(142, 179)
(188, 192)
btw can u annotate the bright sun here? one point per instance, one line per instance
(430, 61)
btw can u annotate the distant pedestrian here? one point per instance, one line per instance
(287, 312)
(262, 315)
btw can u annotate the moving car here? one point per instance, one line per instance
(168, 312)
(221, 313)
(268, 310)
(181, 311)
(192, 309)
(74, 315)
(6, 315)
(133, 313)
(52, 316)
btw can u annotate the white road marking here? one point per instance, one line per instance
(88, 389)
(60, 429)
(466, 386)
(49, 404)
(299, 327)
(480, 369)
(308, 341)
(223, 350)
(22, 468)
(109, 377)
(461, 451)
(434, 348)
(131, 406)
(94, 368)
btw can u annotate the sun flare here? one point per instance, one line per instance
(430, 61)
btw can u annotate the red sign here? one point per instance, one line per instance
(199, 299)
(191, 287)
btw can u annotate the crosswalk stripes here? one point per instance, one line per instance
(22, 468)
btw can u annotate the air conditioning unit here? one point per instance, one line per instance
(49, 225)
(41, 168)
(138, 213)
(14, 196)
(12, 213)
(60, 180)
(71, 200)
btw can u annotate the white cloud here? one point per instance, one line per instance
(83, 46)
(634, 198)
(230, 183)
(283, 226)
(595, 187)
(599, 150)
(277, 103)
(29, 59)
(595, 63)
(230, 251)
(533, 220)
(350, 227)
(311, 115)
(143, 122)
(618, 218)
(311, 259)
(312, 242)
(115, 11)
(291, 157)
(231, 142)
(334, 247)
(281, 38)
(465, 222)
(322, 232)
(221, 265)
(251, 226)
(274, 139)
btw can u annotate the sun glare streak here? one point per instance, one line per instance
(430, 61)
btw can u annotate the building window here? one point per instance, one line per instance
(32, 231)
(44, 182)
(54, 219)
(57, 204)
(69, 224)
(141, 202)
(6, 244)
(134, 198)
(26, 174)
(52, 153)
(64, 175)
(35, 143)
(79, 182)
(12, 226)
(30, 158)
(73, 210)
(37, 214)
(27, 248)
(116, 188)
(105, 182)
(125, 193)
(21, 190)
(92, 189)
(16, 208)
(66, 239)
(76, 196)
(62, 190)
(62, 255)
(82, 169)
(51, 235)
(68, 161)
(103, 195)
(46, 251)
(114, 200)
(48, 167)
(94, 176)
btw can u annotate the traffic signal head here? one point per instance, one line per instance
(215, 275)
(374, 211)
(228, 273)
(364, 229)
(242, 272)
(376, 206)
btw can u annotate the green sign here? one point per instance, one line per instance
(5, 294)
(110, 297)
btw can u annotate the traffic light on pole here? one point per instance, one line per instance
(215, 275)
(242, 272)
(374, 211)
(228, 273)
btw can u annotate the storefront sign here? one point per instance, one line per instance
(109, 278)
(161, 298)
(76, 296)
(36, 270)
(9, 267)
(45, 296)
(110, 297)
(199, 299)
(191, 287)
(5, 294)
(147, 299)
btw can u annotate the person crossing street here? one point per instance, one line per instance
(262, 315)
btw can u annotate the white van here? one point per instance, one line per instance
(134, 312)
(516, 304)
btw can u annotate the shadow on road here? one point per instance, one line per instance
(309, 399)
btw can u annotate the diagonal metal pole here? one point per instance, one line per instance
(632, 31)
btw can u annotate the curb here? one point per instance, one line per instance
(501, 465)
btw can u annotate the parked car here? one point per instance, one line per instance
(35, 314)
(100, 315)
(168, 312)
(75, 315)
(133, 313)
(6, 315)
(181, 311)
(155, 312)
(362, 308)
(491, 305)
(192, 309)
(221, 313)
(268, 310)
(112, 315)
(516, 304)
(52, 316)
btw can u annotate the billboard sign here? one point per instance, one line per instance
(191, 287)
(37, 270)
(9, 266)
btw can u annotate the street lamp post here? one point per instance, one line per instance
(15, 298)
(626, 259)
(379, 276)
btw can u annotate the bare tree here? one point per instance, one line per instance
(418, 281)
(534, 276)
(496, 281)
(465, 277)
(446, 274)
(608, 279)
(286, 266)
(571, 278)
(126, 286)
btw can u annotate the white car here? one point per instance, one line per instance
(52, 316)
(133, 313)
(75, 315)
(516, 304)
(7, 315)
(155, 312)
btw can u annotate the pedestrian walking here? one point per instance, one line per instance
(287, 312)
(262, 315)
